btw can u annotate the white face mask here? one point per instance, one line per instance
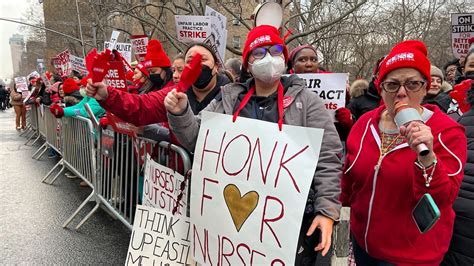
(268, 69)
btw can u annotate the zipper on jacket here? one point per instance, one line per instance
(377, 168)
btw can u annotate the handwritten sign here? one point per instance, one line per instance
(113, 39)
(330, 87)
(218, 27)
(159, 238)
(462, 27)
(250, 184)
(162, 186)
(139, 44)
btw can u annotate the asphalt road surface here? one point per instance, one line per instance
(32, 213)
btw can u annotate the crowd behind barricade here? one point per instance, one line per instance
(391, 160)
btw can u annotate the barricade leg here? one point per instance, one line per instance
(32, 136)
(56, 176)
(26, 131)
(51, 171)
(45, 145)
(96, 207)
(39, 136)
(68, 221)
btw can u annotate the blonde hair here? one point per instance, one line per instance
(358, 87)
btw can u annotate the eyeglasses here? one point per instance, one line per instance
(261, 52)
(411, 85)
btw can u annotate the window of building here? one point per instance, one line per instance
(236, 42)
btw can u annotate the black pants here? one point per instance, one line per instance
(362, 258)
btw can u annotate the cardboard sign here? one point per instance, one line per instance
(159, 238)
(61, 63)
(330, 87)
(218, 27)
(139, 44)
(116, 76)
(78, 64)
(125, 49)
(462, 26)
(250, 183)
(161, 188)
(193, 28)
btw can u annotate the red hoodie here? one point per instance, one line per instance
(382, 201)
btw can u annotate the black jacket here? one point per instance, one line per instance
(461, 250)
(366, 102)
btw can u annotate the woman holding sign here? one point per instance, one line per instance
(403, 168)
(283, 100)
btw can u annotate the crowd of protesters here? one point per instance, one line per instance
(382, 176)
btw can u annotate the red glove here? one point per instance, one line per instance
(459, 93)
(57, 110)
(190, 73)
(104, 122)
(344, 117)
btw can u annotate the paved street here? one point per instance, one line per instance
(31, 212)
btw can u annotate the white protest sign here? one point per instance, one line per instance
(61, 63)
(218, 27)
(159, 238)
(139, 44)
(78, 64)
(250, 184)
(33, 74)
(330, 87)
(21, 84)
(113, 39)
(462, 26)
(193, 28)
(161, 188)
(125, 49)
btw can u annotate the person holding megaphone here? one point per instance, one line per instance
(403, 168)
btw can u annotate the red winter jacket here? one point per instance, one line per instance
(382, 202)
(139, 110)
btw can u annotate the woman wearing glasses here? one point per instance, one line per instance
(261, 97)
(384, 175)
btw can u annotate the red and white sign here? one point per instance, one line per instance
(193, 28)
(139, 44)
(116, 76)
(61, 63)
(462, 27)
(125, 49)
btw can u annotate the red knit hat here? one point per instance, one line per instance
(155, 55)
(406, 54)
(70, 85)
(142, 68)
(261, 36)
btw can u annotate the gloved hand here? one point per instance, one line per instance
(57, 110)
(344, 117)
(104, 122)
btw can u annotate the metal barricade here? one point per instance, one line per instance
(119, 172)
(50, 126)
(31, 123)
(40, 114)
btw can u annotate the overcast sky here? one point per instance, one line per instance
(12, 9)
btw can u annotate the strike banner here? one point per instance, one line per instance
(116, 76)
(161, 188)
(159, 238)
(218, 38)
(139, 44)
(193, 28)
(462, 26)
(330, 87)
(249, 187)
(78, 64)
(61, 63)
(125, 49)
